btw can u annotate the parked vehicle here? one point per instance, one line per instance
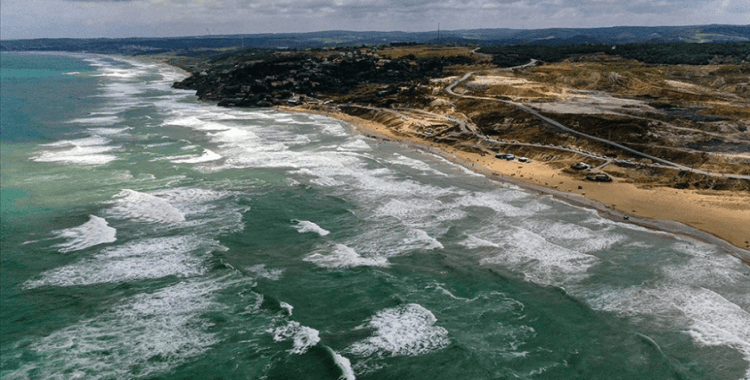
(599, 177)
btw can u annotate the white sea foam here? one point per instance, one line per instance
(245, 139)
(699, 250)
(540, 260)
(499, 202)
(207, 156)
(459, 167)
(282, 134)
(113, 72)
(170, 74)
(153, 332)
(144, 207)
(449, 293)
(406, 330)
(410, 210)
(258, 145)
(304, 226)
(181, 256)
(596, 220)
(158, 145)
(420, 212)
(87, 141)
(711, 269)
(302, 337)
(576, 237)
(198, 207)
(196, 123)
(473, 242)
(102, 120)
(419, 239)
(187, 197)
(286, 307)
(709, 318)
(121, 94)
(260, 271)
(41, 178)
(94, 232)
(108, 131)
(342, 256)
(356, 144)
(378, 182)
(449, 214)
(323, 180)
(415, 164)
(86, 151)
(345, 365)
(331, 127)
(716, 320)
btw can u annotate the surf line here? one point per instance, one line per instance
(663, 225)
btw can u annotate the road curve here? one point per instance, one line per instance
(561, 127)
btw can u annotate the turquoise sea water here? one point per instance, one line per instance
(147, 235)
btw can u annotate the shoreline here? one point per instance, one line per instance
(644, 214)
(468, 160)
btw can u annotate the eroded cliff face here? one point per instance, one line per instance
(285, 77)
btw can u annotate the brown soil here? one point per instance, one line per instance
(678, 113)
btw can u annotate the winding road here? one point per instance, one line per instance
(565, 129)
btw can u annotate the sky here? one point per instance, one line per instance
(21, 19)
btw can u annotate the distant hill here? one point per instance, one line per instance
(201, 45)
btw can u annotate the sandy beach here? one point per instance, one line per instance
(717, 217)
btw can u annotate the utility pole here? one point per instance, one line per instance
(438, 33)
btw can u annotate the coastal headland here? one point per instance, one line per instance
(663, 146)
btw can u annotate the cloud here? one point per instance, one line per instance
(735, 6)
(119, 18)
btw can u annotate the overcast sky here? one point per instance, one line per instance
(163, 18)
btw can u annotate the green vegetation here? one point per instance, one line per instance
(246, 55)
(658, 53)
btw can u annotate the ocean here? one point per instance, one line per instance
(146, 235)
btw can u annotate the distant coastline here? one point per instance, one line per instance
(221, 44)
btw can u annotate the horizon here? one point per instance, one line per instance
(372, 31)
(192, 18)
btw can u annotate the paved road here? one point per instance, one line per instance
(471, 129)
(563, 128)
(462, 124)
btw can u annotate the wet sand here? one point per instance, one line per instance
(717, 217)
